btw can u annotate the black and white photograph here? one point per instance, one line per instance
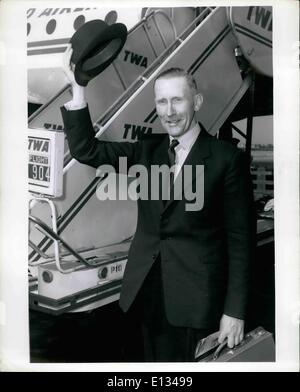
(159, 216)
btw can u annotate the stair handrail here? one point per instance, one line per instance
(50, 233)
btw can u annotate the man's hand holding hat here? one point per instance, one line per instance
(78, 101)
(68, 66)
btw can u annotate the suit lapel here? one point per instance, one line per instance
(160, 154)
(159, 158)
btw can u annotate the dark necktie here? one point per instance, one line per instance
(171, 156)
(171, 152)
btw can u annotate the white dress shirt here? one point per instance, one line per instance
(186, 142)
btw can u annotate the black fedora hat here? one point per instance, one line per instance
(95, 45)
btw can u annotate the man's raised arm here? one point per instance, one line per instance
(83, 144)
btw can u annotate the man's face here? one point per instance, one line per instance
(176, 104)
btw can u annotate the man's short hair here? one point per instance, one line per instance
(171, 72)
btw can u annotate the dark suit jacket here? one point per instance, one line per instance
(205, 254)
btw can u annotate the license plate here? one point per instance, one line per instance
(112, 271)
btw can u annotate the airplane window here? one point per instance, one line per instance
(111, 17)
(79, 21)
(28, 28)
(51, 26)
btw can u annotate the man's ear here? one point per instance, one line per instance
(198, 101)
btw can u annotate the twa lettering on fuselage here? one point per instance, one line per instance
(136, 59)
(54, 127)
(134, 132)
(54, 11)
(261, 17)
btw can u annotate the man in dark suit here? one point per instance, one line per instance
(187, 273)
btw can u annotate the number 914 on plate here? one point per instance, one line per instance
(168, 381)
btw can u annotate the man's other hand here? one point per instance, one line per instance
(231, 328)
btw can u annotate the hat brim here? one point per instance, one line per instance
(102, 50)
(86, 38)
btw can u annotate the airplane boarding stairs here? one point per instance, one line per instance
(101, 231)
